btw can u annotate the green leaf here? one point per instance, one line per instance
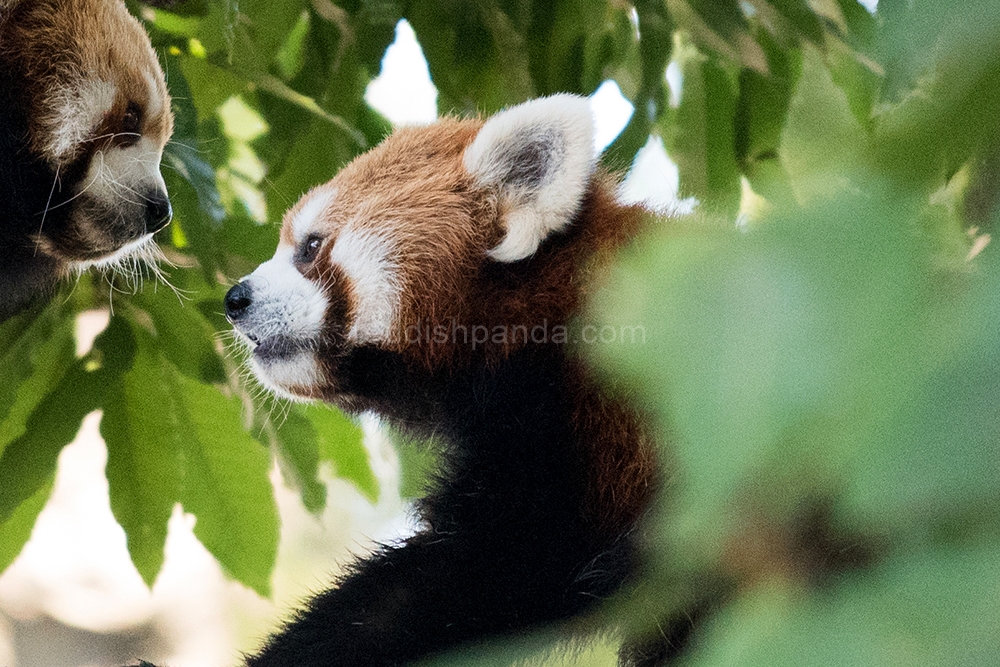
(418, 463)
(798, 15)
(183, 336)
(761, 112)
(226, 485)
(341, 442)
(275, 87)
(260, 28)
(38, 349)
(774, 355)
(937, 457)
(700, 135)
(575, 44)
(297, 445)
(29, 461)
(946, 111)
(320, 150)
(719, 26)
(859, 78)
(477, 54)
(184, 155)
(822, 139)
(314, 433)
(208, 85)
(145, 436)
(174, 440)
(655, 46)
(291, 57)
(16, 530)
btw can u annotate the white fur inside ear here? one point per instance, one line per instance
(540, 155)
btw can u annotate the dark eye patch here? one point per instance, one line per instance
(310, 248)
(129, 130)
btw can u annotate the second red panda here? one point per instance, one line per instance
(376, 299)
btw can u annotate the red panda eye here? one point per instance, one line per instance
(309, 249)
(130, 129)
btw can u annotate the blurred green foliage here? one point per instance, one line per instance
(826, 359)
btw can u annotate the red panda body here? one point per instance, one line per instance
(436, 281)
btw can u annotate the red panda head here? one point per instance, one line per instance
(421, 246)
(85, 90)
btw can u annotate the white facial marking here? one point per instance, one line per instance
(77, 111)
(557, 133)
(125, 175)
(367, 259)
(298, 371)
(305, 219)
(285, 302)
(288, 312)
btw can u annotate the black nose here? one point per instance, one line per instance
(158, 212)
(238, 300)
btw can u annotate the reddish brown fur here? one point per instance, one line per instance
(57, 43)
(415, 188)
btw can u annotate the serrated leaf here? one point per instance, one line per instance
(226, 485)
(947, 111)
(144, 435)
(15, 531)
(29, 461)
(174, 440)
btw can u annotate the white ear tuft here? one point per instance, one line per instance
(540, 155)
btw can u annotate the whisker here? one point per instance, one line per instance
(48, 203)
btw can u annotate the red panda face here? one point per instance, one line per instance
(437, 226)
(95, 108)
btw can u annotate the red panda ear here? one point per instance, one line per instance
(540, 156)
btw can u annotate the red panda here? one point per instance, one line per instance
(84, 118)
(435, 281)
